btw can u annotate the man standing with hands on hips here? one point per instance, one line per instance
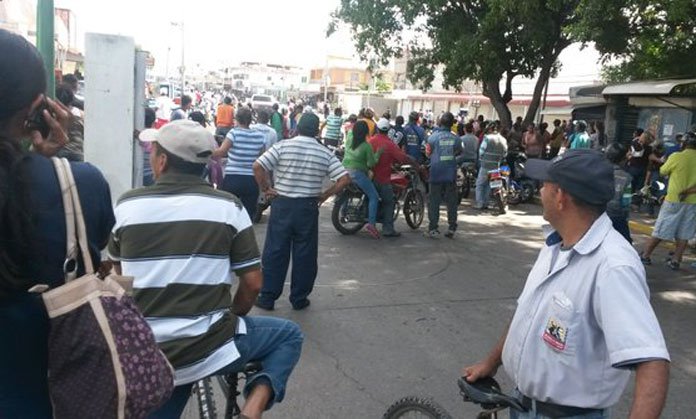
(583, 320)
(299, 166)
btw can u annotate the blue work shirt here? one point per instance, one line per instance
(443, 147)
(415, 136)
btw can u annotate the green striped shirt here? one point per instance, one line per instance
(181, 240)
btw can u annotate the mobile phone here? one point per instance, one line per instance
(36, 120)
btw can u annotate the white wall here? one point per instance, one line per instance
(109, 108)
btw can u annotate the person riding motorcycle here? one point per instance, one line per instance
(493, 148)
(358, 160)
(383, 169)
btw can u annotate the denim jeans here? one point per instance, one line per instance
(275, 342)
(364, 182)
(449, 190)
(621, 225)
(245, 188)
(483, 189)
(293, 228)
(386, 193)
(24, 358)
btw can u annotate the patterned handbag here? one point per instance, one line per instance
(103, 359)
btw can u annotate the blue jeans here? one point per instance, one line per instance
(449, 190)
(532, 414)
(275, 342)
(245, 188)
(365, 183)
(386, 193)
(483, 189)
(293, 228)
(24, 358)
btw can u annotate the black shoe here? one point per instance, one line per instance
(264, 306)
(450, 233)
(646, 261)
(301, 305)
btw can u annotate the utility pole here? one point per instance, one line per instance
(182, 69)
(45, 18)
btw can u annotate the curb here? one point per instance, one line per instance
(635, 226)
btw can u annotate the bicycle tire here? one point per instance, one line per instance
(203, 389)
(411, 405)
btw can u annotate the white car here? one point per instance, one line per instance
(259, 102)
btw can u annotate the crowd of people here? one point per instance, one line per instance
(182, 239)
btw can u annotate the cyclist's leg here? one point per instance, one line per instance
(174, 407)
(277, 344)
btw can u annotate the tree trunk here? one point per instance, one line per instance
(538, 91)
(491, 89)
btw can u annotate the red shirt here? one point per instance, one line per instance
(391, 154)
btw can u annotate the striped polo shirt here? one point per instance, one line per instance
(333, 127)
(299, 166)
(247, 146)
(181, 240)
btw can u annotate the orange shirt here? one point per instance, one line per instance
(225, 116)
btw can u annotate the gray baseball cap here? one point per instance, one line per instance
(183, 138)
(585, 174)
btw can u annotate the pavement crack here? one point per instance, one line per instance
(460, 300)
(337, 365)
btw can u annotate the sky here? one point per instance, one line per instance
(220, 33)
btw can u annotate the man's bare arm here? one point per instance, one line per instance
(652, 380)
(249, 287)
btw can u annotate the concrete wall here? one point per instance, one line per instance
(109, 108)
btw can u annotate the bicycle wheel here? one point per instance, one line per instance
(203, 390)
(416, 407)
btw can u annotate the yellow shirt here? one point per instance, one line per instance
(681, 169)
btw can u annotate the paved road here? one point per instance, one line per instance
(400, 317)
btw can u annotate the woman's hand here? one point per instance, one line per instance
(58, 120)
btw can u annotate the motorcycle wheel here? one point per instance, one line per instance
(527, 192)
(500, 202)
(344, 226)
(414, 208)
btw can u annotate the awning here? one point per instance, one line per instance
(646, 88)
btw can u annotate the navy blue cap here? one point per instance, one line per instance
(585, 174)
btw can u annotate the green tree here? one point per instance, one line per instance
(642, 39)
(489, 41)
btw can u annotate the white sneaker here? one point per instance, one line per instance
(432, 234)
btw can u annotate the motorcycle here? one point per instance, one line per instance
(521, 188)
(466, 179)
(499, 181)
(350, 210)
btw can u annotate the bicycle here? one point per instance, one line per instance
(203, 391)
(484, 392)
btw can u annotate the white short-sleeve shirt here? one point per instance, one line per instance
(583, 315)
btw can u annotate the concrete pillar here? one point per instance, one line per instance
(109, 108)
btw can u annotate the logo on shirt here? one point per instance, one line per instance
(556, 334)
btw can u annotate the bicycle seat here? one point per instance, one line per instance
(486, 392)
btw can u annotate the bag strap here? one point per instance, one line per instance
(80, 221)
(76, 232)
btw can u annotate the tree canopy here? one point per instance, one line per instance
(495, 41)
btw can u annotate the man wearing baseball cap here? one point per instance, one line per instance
(583, 321)
(181, 240)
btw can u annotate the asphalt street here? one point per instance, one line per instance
(397, 317)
